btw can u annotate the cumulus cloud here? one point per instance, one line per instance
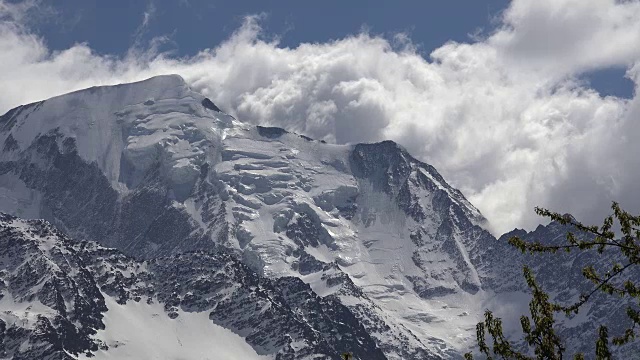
(503, 117)
(570, 35)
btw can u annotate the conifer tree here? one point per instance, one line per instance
(539, 328)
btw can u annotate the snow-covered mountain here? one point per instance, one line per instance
(215, 234)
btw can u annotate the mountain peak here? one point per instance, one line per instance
(124, 129)
(159, 86)
(165, 80)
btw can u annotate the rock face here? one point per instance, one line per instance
(299, 247)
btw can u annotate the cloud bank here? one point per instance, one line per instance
(504, 118)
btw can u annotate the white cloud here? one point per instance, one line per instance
(571, 35)
(502, 118)
(147, 16)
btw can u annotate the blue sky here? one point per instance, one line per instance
(518, 104)
(112, 27)
(196, 24)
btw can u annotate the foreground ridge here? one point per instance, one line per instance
(65, 298)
